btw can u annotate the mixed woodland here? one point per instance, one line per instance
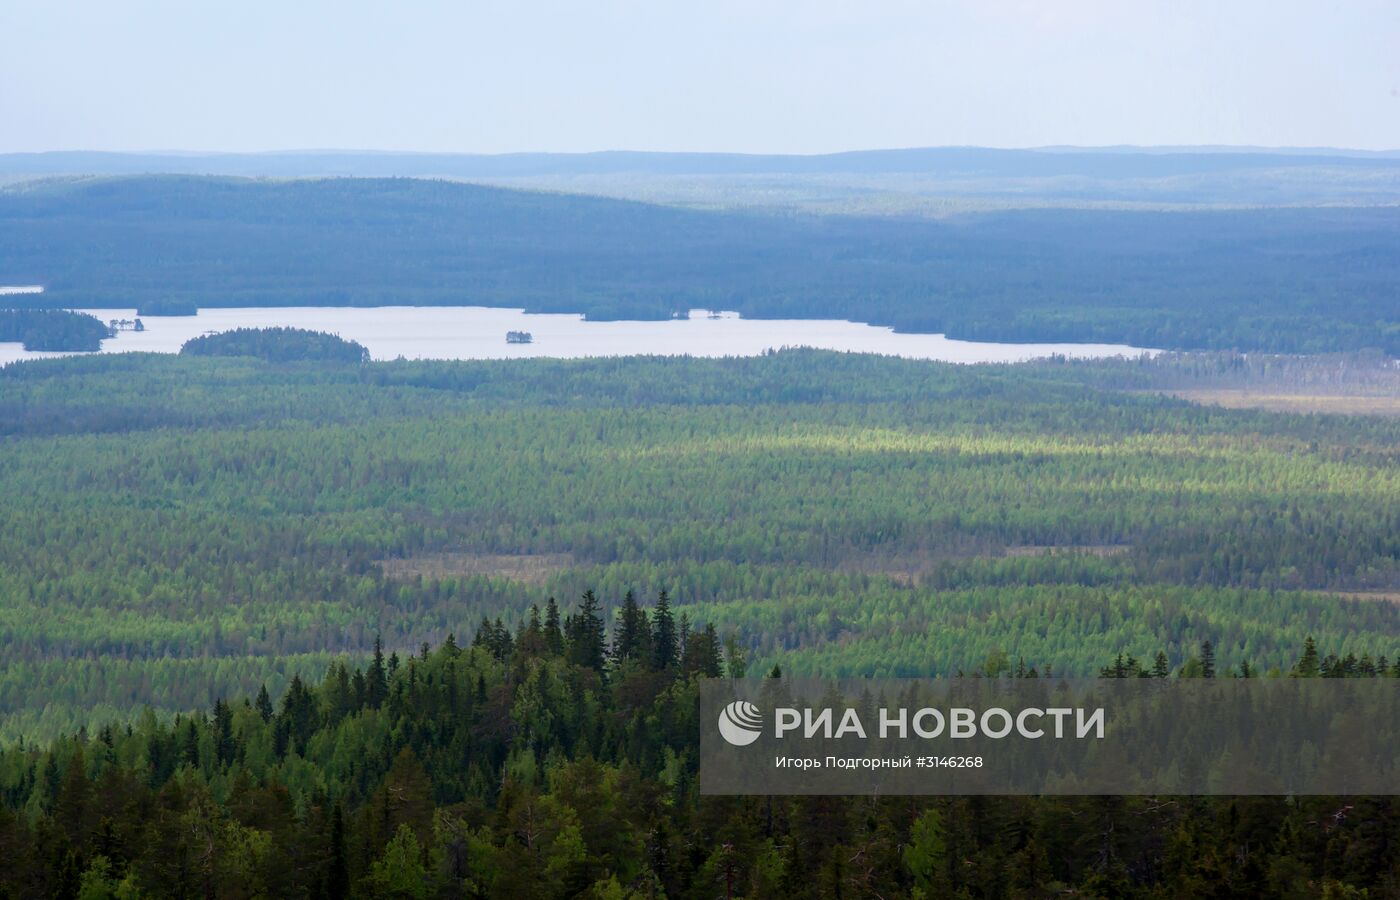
(551, 761)
(192, 528)
(418, 629)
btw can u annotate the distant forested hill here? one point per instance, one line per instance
(1057, 162)
(1293, 280)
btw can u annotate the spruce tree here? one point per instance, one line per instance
(264, 703)
(377, 679)
(663, 634)
(483, 635)
(223, 732)
(530, 638)
(553, 634)
(501, 644)
(1308, 666)
(628, 643)
(586, 637)
(705, 654)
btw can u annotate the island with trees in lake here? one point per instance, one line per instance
(278, 345)
(53, 329)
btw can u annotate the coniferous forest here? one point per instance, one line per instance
(550, 762)
(410, 629)
(1295, 280)
(278, 345)
(381, 519)
(52, 329)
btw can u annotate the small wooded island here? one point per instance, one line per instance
(278, 345)
(519, 337)
(53, 329)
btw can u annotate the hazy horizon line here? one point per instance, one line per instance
(1041, 148)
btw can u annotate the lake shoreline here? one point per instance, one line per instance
(480, 332)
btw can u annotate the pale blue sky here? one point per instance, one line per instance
(752, 76)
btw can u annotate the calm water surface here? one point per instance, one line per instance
(476, 332)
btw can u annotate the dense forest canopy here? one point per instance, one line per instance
(198, 526)
(278, 345)
(53, 329)
(417, 629)
(557, 760)
(1306, 280)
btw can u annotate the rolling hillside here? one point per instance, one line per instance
(1295, 280)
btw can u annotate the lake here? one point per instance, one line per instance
(476, 332)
